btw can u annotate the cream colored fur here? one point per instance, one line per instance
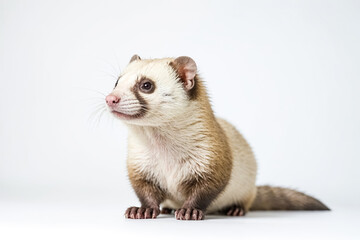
(241, 188)
(169, 134)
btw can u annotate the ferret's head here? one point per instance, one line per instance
(153, 92)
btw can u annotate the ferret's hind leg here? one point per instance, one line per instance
(169, 206)
(234, 210)
(166, 210)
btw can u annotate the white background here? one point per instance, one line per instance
(285, 73)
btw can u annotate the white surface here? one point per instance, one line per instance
(101, 217)
(286, 73)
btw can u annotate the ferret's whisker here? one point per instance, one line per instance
(99, 105)
(94, 114)
(112, 67)
(100, 116)
(93, 117)
(132, 107)
(127, 104)
(93, 99)
(129, 100)
(95, 91)
(109, 74)
(118, 65)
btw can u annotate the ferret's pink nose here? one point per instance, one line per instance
(112, 100)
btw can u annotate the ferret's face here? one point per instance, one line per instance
(148, 92)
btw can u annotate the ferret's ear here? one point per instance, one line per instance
(186, 68)
(134, 58)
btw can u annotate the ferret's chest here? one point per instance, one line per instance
(169, 169)
(165, 164)
(169, 160)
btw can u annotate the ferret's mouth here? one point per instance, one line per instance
(126, 116)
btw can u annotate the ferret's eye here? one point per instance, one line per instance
(147, 86)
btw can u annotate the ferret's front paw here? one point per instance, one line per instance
(141, 213)
(189, 214)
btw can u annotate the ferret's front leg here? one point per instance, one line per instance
(200, 195)
(150, 196)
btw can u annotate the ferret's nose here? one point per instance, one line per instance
(112, 100)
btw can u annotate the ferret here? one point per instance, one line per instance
(180, 156)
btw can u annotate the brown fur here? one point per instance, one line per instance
(202, 190)
(134, 58)
(149, 194)
(135, 90)
(178, 68)
(277, 198)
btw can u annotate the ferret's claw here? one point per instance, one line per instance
(189, 214)
(141, 213)
(235, 211)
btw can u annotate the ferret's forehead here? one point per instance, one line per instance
(147, 67)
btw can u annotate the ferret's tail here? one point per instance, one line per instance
(277, 198)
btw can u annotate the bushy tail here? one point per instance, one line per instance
(277, 198)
